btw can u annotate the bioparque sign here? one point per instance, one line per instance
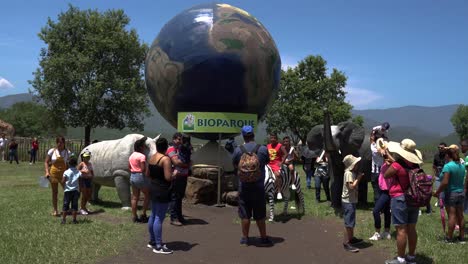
(208, 122)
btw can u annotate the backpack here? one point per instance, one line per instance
(419, 192)
(229, 146)
(249, 165)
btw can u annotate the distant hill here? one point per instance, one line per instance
(435, 120)
(426, 125)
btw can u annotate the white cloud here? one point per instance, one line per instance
(360, 98)
(288, 62)
(5, 84)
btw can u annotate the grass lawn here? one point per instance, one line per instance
(29, 234)
(430, 249)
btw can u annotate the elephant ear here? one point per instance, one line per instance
(351, 137)
(315, 138)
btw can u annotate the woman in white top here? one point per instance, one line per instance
(55, 165)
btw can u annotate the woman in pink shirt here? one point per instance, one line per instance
(138, 180)
(402, 157)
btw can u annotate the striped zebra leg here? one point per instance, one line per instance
(300, 205)
(271, 202)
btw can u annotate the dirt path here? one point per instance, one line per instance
(213, 234)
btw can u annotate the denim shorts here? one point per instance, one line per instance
(349, 214)
(71, 197)
(455, 199)
(139, 180)
(252, 204)
(87, 183)
(401, 213)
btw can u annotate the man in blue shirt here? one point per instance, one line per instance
(252, 201)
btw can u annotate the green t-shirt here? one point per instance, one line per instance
(457, 176)
(349, 195)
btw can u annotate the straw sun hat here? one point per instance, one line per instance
(350, 161)
(406, 149)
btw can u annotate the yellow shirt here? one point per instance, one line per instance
(349, 195)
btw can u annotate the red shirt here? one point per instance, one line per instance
(276, 156)
(174, 152)
(400, 179)
(35, 145)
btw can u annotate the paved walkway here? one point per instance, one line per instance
(213, 234)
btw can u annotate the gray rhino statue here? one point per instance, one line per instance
(110, 164)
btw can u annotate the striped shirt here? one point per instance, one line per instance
(377, 159)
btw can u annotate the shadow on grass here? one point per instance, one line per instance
(180, 245)
(369, 206)
(284, 218)
(107, 204)
(96, 212)
(423, 259)
(364, 245)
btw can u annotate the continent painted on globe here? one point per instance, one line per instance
(212, 58)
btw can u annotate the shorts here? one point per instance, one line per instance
(70, 197)
(401, 213)
(87, 183)
(455, 199)
(139, 180)
(349, 214)
(252, 204)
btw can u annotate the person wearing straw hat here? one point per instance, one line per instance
(349, 199)
(402, 156)
(452, 183)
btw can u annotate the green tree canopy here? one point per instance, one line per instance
(90, 73)
(460, 121)
(29, 119)
(303, 94)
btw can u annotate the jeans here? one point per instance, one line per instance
(33, 156)
(13, 155)
(178, 193)
(158, 213)
(325, 181)
(375, 185)
(382, 204)
(309, 174)
(401, 213)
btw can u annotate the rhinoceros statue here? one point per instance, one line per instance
(110, 163)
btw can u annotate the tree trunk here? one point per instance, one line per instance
(87, 135)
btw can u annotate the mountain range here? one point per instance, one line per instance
(423, 124)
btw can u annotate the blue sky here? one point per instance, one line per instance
(395, 53)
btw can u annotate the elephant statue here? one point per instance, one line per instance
(110, 164)
(341, 140)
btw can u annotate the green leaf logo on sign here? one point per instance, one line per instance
(189, 122)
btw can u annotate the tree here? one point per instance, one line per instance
(358, 120)
(460, 121)
(29, 119)
(90, 75)
(303, 94)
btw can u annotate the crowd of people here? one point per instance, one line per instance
(162, 178)
(9, 150)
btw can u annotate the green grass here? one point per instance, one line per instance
(429, 249)
(29, 234)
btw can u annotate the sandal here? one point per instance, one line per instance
(55, 213)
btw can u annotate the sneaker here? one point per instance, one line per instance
(395, 261)
(30, 163)
(176, 223)
(83, 212)
(448, 240)
(151, 244)
(436, 204)
(136, 220)
(266, 241)
(279, 196)
(410, 259)
(461, 240)
(355, 241)
(348, 247)
(162, 250)
(386, 235)
(420, 212)
(375, 237)
(144, 218)
(294, 187)
(244, 241)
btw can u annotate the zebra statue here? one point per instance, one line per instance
(270, 191)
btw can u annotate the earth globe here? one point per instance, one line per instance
(212, 58)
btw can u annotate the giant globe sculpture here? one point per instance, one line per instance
(212, 58)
